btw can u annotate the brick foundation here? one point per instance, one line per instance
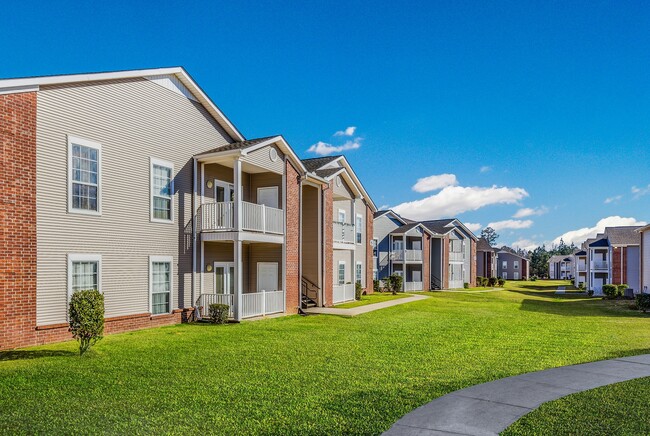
(292, 240)
(369, 259)
(18, 220)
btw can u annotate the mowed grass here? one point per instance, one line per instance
(308, 375)
(621, 408)
(372, 299)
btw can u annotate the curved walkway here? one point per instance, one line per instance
(490, 408)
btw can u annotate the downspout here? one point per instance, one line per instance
(300, 179)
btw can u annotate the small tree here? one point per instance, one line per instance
(396, 283)
(376, 286)
(86, 314)
(358, 291)
(490, 235)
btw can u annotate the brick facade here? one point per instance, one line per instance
(292, 239)
(369, 259)
(18, 220)
(328, 258)
(426, 262)
(619, 260)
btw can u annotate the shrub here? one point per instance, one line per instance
(484, 281)
(395, 283)
(86, 314)
(590, 292)
(533, 278)
(581, 286)
(376, 286)
(610, 291)
(621, 289)
(466, 285)
(218, 313)
(358, 290)
(643, 302)
(501, 282)
(492, 282)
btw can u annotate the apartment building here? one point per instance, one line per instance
(486, 259)
(561, 267)
(512, 265)
(134, 183)
(644, 250)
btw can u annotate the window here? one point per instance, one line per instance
(359, 228)
(504, 264)
(162, 191)
(84, 272)
(341, 272)
(358, 272)
(160, 284)
(84, 163)
(515, 264)
(515, 276)
(375, 248)
(268, 196)
(341, 216)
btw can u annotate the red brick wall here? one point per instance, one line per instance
(426, 263)
(445, 262)
(619, 259)
(328, 223)
(369, 259)
(17, 220)
(293, 240)
(472, 264)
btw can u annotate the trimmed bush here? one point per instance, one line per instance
(376, 286)
(492, 282)
(86, 314)
(533, 278)
(621, 289)
(395, 283)
(484, 281)
(466, 285)
(643, 302)
(218, 313)
(358, 290)
(610, 291)
(581, 286)
(501, 282)
(590, 292)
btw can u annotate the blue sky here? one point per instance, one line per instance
(550, 99)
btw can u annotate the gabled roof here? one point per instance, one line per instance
(405, 228)
(32, 84)
(623, 235)
(328, 172)
(445, 226)
(483, 245)
(580, 253)
(241, 145)
(395, 215)
(316, 163)
(506, 249)
(600, 243)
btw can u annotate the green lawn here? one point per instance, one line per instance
(371, 299)
(621, 408)
(309, 375)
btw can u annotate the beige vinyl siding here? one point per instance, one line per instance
(343, 190)
(262, 159)
(310, 234)
(263, 253)
(345, 255)
(133, 120)
(264, 180)
(345, 205)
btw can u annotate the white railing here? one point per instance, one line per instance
(397, 255)
(261, 303)
(413, 286)
(342, 293)
(255, 217)
(582, 266)
(413, 255)
(205, 300)
(216, 216)
(600, 264)
(343, 232)
(456, 256)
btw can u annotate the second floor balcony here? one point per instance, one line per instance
(343, 232)
(408, 255)
(599, 265)
(220, 216)
(456, 256)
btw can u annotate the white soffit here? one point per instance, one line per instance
(173, 84)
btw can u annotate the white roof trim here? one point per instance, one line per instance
(10, 85)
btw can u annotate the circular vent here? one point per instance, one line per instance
(339, 182)
(273, 154)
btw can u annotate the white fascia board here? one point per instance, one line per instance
(284, 146)
(357, 182)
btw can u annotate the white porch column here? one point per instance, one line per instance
(238, 191)
(238, 261)
(404, 262)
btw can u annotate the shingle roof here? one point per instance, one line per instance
(483, 245)
(624, 235)
(405, 228)
(600, 243)
(315, 163)
(238, 145)
(581, 253)
(326, 172)
(512, 251)
(438, 226)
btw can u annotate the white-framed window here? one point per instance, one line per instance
(268, 196)
(84, 176)
(504, 264)
(341, 272)
(515, 275)
(515, 264)
(160, 284)
(359, 228)
(162, 191)
(505, 276)
(358, 273)
(84, 272)
(342, 215)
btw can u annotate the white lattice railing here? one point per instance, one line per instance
(205, 300)
(255, 217)
(342, 293)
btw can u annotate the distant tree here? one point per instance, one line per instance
(539, 261)
(490, 235)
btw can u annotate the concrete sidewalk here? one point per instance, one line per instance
(353, 311)
(490, 408)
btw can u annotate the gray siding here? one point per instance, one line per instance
(633, 268)
(133, 120)
(262, 159)
(382, 226)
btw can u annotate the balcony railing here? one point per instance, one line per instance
(582, 266)
(342, 293)
(411, 255)
(600, 264)
(255, 217)
(253, 303)
(457, 256)
(343, 232)
(205, 300)
(413, 286)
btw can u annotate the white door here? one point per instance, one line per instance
(267, 276)
(268, 196)
(598, 286)
(223, 191)
(398, 245)
(224, 278)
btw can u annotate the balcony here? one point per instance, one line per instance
(582, 266)
(253, 303)
(255, 218)
(411, 255)
(599, 265)
(413, 286)
(343, 293)
(456, 256)
(343, 232)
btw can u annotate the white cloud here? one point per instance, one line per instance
(349, 131)
(323, 148)
(474, 227)
(511, 224)
(485, 169)
(613, 199)
(526, 244)
(527, 211)
(433, 183)
(578, 236)
(640, 192)
(453, 200)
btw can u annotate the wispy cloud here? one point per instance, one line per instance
(433, 183)
(485, 169)
(578, 236)
(614, 199)
(511, 224)
(453, 200)
(528, 211)
(640, 192)
(525, 244)
(474, 227)
(323, 148)
(349, 131)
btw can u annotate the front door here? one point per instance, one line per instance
(598, 286)
(223, 191)
(267, 276)
(224, 278)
